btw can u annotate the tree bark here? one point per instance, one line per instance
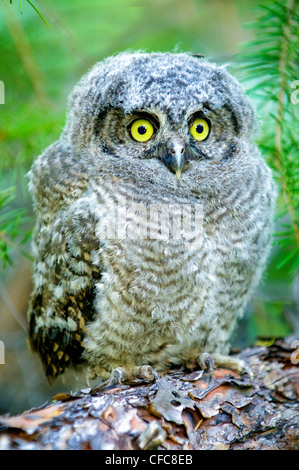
(182, 410)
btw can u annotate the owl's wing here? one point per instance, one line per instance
(64, 276)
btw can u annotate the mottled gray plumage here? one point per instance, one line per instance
(132, 301)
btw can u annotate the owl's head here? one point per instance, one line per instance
(173, 108)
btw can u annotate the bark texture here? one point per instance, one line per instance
(182, 410)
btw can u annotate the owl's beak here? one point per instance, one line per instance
(175, 157)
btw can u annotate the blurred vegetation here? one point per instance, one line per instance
(270, 64)
(39, 66)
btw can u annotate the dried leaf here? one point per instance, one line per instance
(170, 403)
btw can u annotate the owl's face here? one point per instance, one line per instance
(171, 109)
(149, 133)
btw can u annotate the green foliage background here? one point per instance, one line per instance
(39, 65)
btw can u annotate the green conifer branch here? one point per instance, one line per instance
(284, 87)
(270, 64)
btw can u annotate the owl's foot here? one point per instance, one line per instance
(132, 376)
(209, 361)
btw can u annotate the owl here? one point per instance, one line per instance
(154, 217)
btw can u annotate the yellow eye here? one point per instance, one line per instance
(200, 129)
(142, 130)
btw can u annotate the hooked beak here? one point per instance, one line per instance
(175, 158)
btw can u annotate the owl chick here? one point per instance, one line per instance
(154, 218)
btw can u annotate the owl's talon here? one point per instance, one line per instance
(113, 381)
(209, 361)
(246, 369)
(234, 363)
(134, 376)
(206, 362)
(148, 374)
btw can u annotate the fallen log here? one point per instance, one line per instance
(182, 410)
